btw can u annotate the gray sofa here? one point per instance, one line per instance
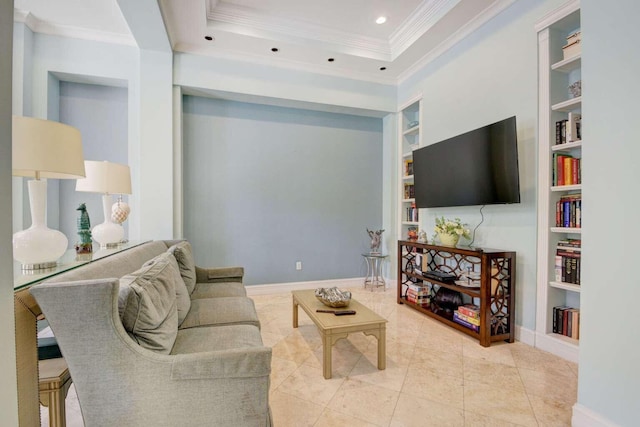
(152, 340)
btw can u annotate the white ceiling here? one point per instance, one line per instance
(306, 33)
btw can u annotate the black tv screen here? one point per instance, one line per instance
(479, 167)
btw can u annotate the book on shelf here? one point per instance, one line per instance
(566, 170)
(569, 211)
(566, 321)
(409, 191)
(408, 167)
(468, 319)
(459, 320)
(573, 127)
(470, 310)
(411, 213)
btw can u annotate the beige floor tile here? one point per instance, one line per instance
(392, 377)
(331, 418)
(445, 363)
(413, 411)
(290, 411)
(342, 360)
(293, 347)
(499, 352)
(551, 412)
(365, 401)
(307, 383)
(435, 386)
(280, 370)
(550, 385)
(499, 403)
(476, 420)
(492, 374)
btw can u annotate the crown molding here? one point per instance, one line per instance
(38, 26)
(425, 17)
(471, 26)
(245, 21)
(557, 14)
(286, 64)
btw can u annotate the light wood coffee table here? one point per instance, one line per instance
(332, 327)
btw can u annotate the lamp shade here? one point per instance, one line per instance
(46, 149)
(105, 177)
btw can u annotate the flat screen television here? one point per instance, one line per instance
(479, 167)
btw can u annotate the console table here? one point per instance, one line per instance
(492, 289)
(27, 313)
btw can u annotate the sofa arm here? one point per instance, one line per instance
(240, 363)
(215, 275)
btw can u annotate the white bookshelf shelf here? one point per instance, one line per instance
(568, 65)
(560, 188)
(568, 105)
(566, 286)
(407, 177)
(411, 131)
(570, 230)
(567, 147)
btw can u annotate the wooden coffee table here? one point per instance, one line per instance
(332, 327)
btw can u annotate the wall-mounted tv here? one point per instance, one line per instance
(479, 167)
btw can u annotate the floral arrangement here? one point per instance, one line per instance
(453, 227)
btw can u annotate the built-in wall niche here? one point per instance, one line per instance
(101, 114)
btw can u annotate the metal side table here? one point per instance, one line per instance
(374, 278)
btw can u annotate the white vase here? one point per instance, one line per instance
(448, 239)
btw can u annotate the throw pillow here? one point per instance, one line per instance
(183, 299)
(147, 305)
(184, 255)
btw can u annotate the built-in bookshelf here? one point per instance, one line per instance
(409, 129)
(559, 181)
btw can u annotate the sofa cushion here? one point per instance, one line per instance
(184, 255)
(147, 305)
(221, 311)
(183, 299)
(218, 289)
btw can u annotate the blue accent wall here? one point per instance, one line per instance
(268, 186)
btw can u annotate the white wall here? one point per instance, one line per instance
(609, 374)
(489, 76)
(8, 388)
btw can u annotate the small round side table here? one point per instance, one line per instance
(374, 276)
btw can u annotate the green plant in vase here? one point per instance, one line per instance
(450, 230)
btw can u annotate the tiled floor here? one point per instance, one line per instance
(435, 376)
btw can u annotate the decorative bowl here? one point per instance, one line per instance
(333, 297)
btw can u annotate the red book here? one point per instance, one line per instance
(560, 170)
(575, 170)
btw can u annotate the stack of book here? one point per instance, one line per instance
(418, 294)
(566, 321)
(409, 192)
(567, 265)
(408, 167)
(412, 213)
(569, 130)
(566, 170)
(468, 315)
(569, 211)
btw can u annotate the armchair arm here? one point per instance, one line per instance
(240, 363)
(215, 275)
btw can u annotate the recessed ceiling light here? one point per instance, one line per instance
(331, 59)
(209, 38)
(383, 68)
(381, 20)
(274, 49)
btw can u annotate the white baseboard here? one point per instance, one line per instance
(557, 346)
(585, 417)
(278, 288)
(525, 336)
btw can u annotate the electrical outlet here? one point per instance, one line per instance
(298, 265)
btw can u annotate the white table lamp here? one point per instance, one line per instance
(106, 178)
(43, 149)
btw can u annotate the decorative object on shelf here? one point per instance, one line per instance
(106, 178)
(43, 149)
(120, 211)
(85, 245)
(575, 88)
(412, 234)
(376, 238)
(449, 231)
(422, 236)
(413, 124)
(333, 297)
(447, 299)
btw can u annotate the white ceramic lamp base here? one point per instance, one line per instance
(38, 246)
(108, 234)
